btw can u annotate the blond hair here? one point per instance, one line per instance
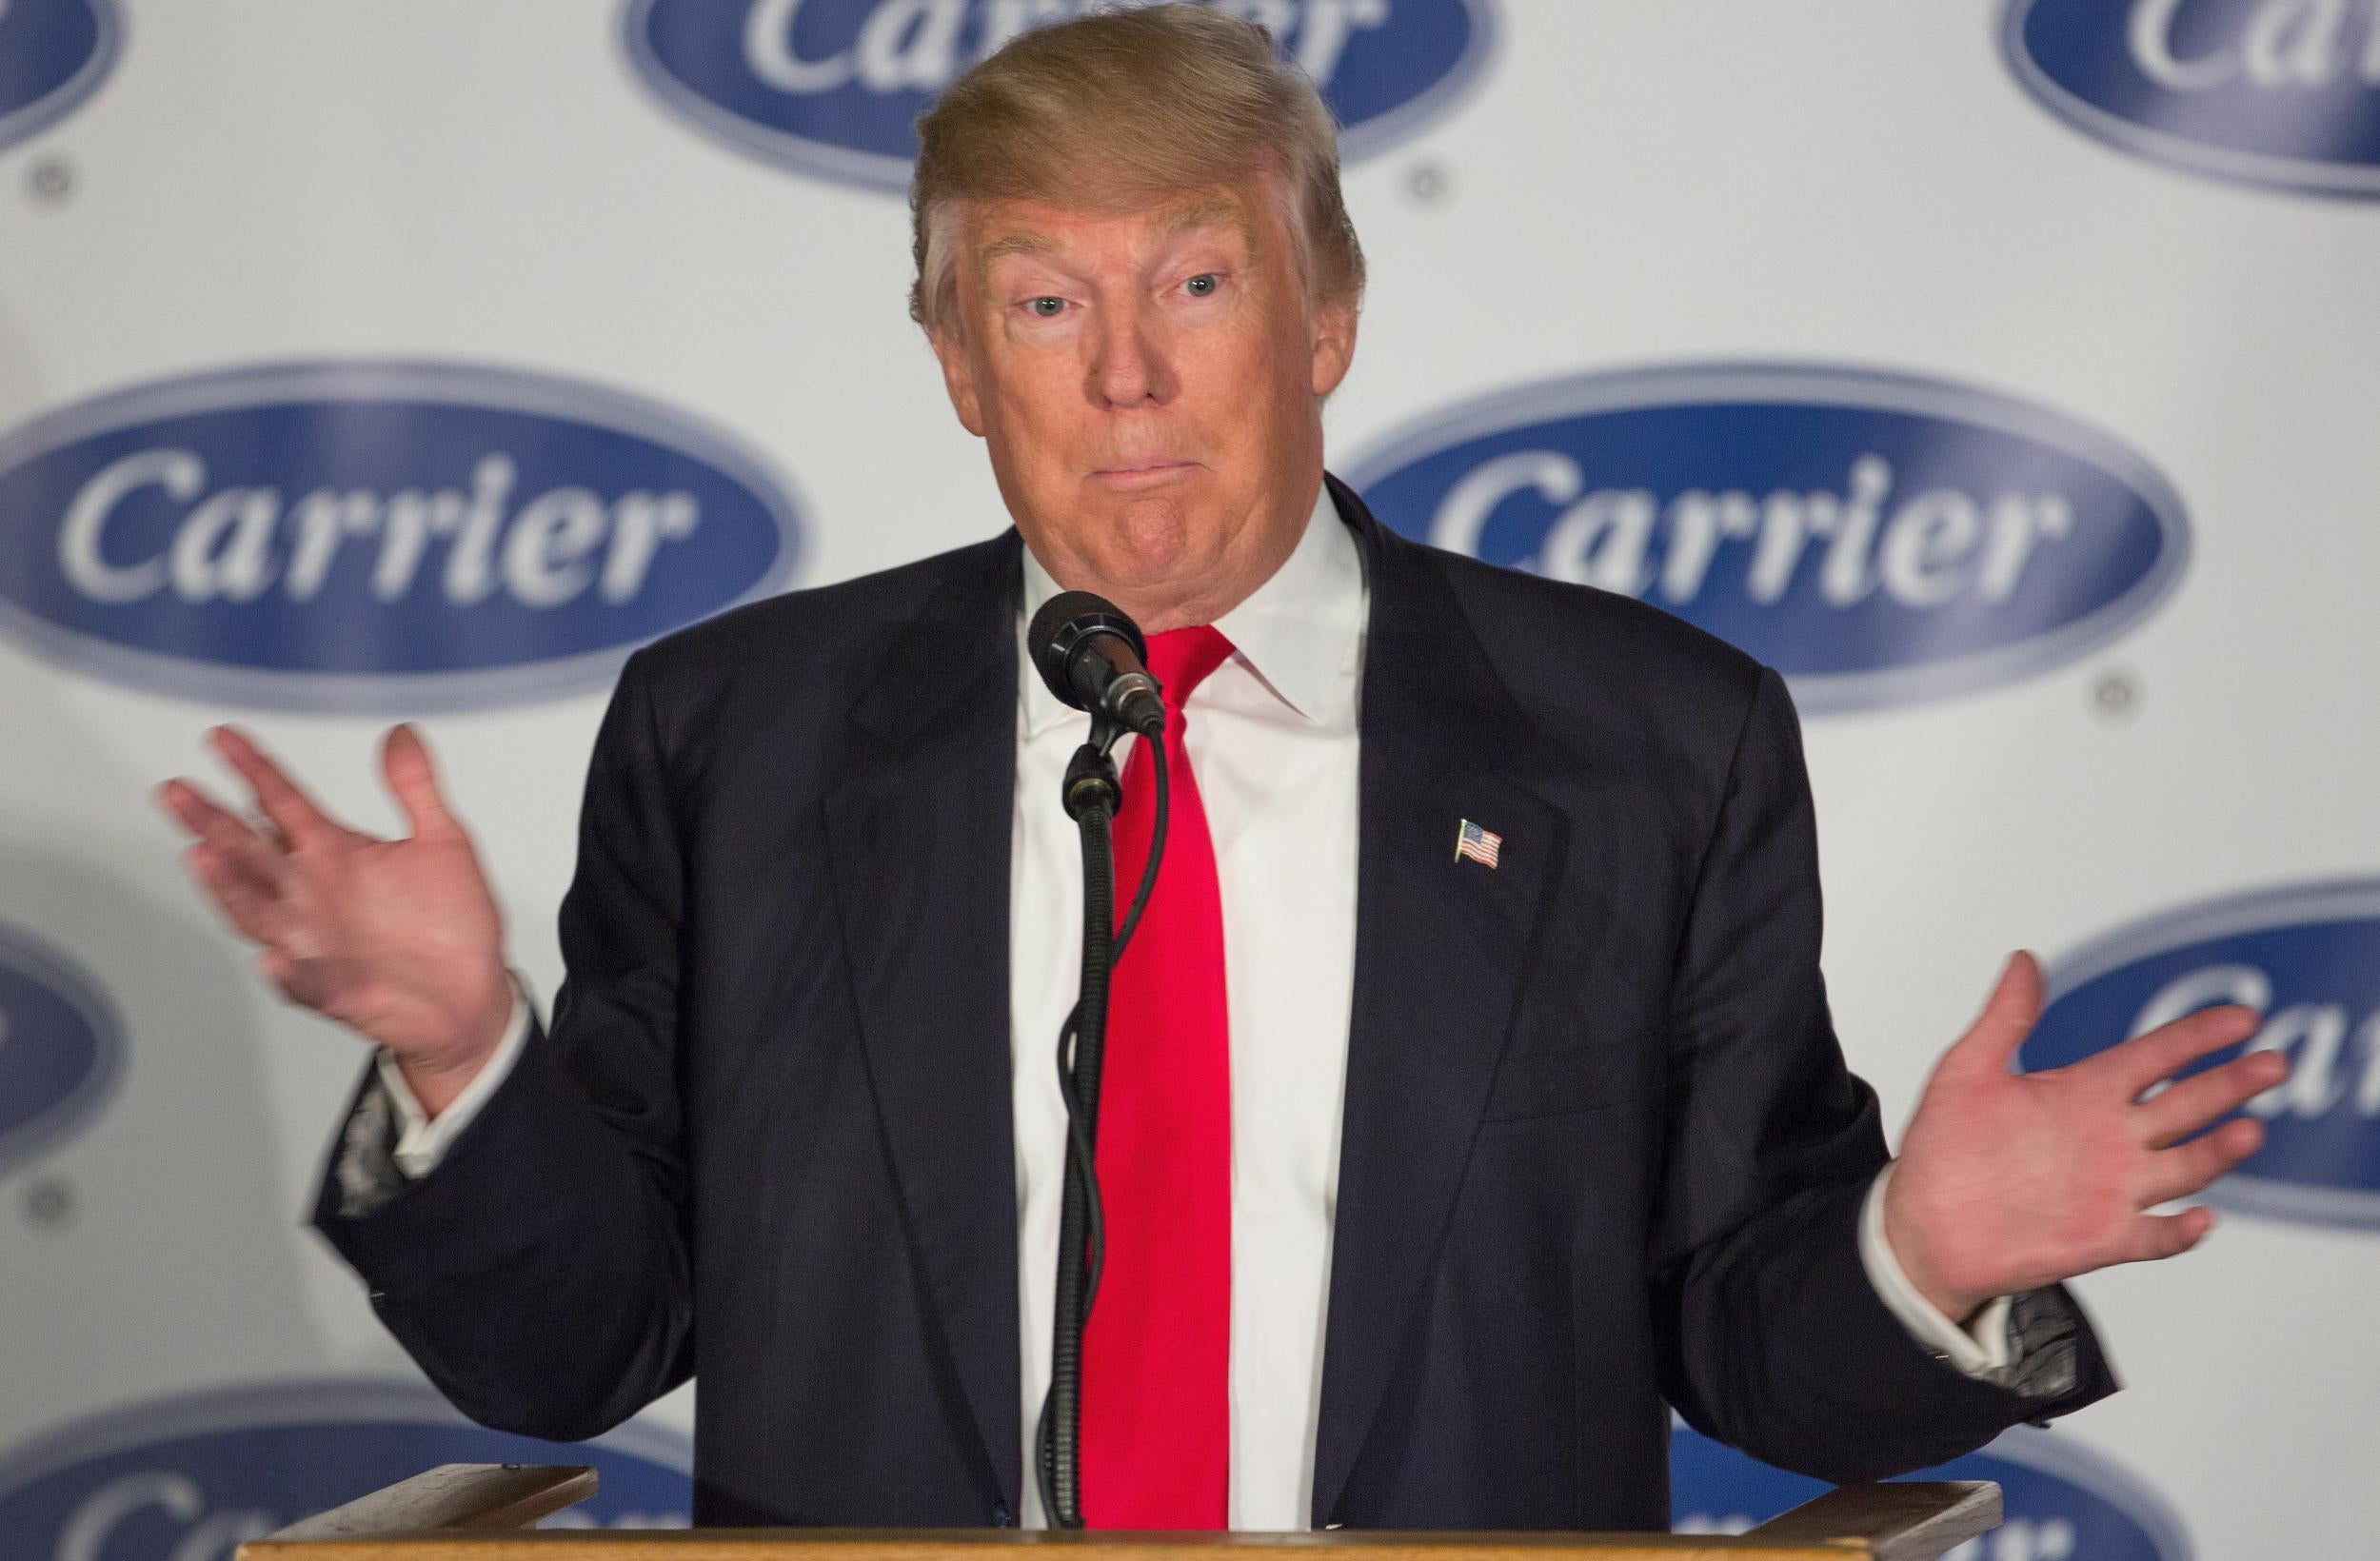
(1118, 111)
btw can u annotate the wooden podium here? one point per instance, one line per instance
(486, 1512)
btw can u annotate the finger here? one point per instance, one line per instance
(2200, 1099)
(278, 970)
(301, 981)
(311, 983)
(239, 898)
(190, 807)
(2144, 1060)
(234, 856)
(2007, 1018)
(412, 779)
(2155, 1236)
(220, 828)
(2188, 1168)
(235, 847)
(292, 811)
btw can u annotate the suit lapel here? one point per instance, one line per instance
(920, 841)
(1442, 948)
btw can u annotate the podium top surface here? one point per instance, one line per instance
(983, 1544)
(484, 1513)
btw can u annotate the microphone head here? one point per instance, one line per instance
(1060, 631)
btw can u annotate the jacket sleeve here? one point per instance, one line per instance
(539, 1274)
(1775, 1340)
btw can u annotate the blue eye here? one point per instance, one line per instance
(1048, 309)
(1203, 285)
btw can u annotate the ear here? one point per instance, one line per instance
(1333, 345)
(950, 351)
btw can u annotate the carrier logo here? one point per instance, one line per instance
(834, 87)
(376, 535)
(2308, 958)
(53, 54)
(1876, 538)
(60, 1048)
(2281, 92)
(192, 1478)
(2061, 1501)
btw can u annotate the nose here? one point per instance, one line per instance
(1130, 365)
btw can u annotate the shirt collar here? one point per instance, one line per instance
(1300, 632)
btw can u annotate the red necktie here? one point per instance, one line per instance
(1157, 1357)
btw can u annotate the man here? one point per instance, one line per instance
(1472, 1094)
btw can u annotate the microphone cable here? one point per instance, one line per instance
(1058, 1434)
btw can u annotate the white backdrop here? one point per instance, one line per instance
(1864, 194)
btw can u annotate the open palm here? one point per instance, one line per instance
(2006, 1182)
(399, 939)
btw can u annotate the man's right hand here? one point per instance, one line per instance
(399, 940)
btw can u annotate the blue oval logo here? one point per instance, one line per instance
(61, 1047)
(1876, 538)
(834, 88)
(376, 536)
(2275, 92)
(53, 54)
(2308, 958)
(2060, 1501)
(193, 1477)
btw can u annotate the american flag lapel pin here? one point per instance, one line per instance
(1480, 845)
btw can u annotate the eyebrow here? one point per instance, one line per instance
(1015, 244)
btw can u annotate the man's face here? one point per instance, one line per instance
(1150, 386)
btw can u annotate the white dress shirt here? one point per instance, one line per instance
(1273, 736)
(1271, 740)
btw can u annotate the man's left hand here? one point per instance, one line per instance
(2006, 1182)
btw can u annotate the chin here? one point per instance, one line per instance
(1155, 539)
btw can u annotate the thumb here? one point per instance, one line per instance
(405, 765)
(2007, 1017)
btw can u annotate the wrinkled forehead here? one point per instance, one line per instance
(994, 228)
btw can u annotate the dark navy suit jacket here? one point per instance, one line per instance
(1600, 1157)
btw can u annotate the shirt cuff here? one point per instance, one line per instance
(1977, 1351)
(422, 1140)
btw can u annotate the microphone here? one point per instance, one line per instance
(1093, 658)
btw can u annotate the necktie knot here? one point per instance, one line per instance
(1182, 658)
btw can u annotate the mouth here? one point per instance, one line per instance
(1142, 473)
